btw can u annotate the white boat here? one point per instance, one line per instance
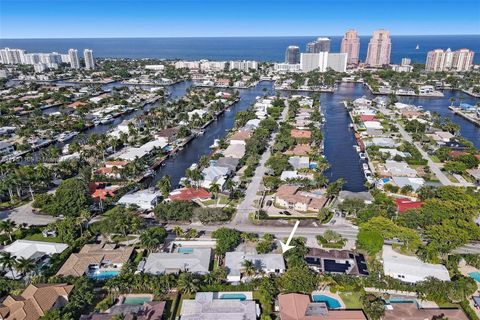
(365, 167)
(107, 119)
(215, 144)
(65, 136)
(357, 148)
(193, 166)
(200, 132)
(417, 47)
(362, 155)
(351, 125)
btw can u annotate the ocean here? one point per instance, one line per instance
(236, 48)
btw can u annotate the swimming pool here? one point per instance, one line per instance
(332, 303)
(233, 296)
(185, 250)
(136, 300)
(103, 275)
(475, 276)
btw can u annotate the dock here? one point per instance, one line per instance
(464, 115)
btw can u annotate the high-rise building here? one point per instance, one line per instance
(379, 48)
(351, 46)
(314, 61)
(337, 61)
(73, 55)
(89, 61)
(460, 60)
(406, 61)
(12, 56)
(319, 45)
(243, 65)
(292, 55)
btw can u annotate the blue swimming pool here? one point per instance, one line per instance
(475, 276)
(332, 303)
(136, 300)
(185, 250)
(233, 296)
(103, 275)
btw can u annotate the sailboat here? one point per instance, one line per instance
(417, 47)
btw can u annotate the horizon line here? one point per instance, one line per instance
(245, 36)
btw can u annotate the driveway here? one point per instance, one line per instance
(24, 214)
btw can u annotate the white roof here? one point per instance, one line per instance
(410, 268)
(27, 248)
(299, 162)
(269, 261)
(288, 175)
(212, 173)
(196, 261)
(235, 151)
(130, 154)
(145, 199)
(399, 168)
(415, 183)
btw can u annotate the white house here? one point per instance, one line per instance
(144, 199)
(266, 263)
(410, 268)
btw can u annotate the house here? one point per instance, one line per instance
(228, 162)
(189, 194)
(93, 259)
(399, 169)
(197, 112)
(270, 263)
(367, 117)
(407, 204)
(144, 199)
(6, 148)
(287, 175)
(394, 152)
(170, 134)
(290, 197)
(194, 260)
(413, 311)
(383, 142)
(374, 125)
(300, 134)
(216, 305)
(38, 251)
(34, 302)
(234, 151)
(365, 196)
(240, 137)
(299, 150)
(296, 306)
(149, 310)
(214, 175)
(336, 261)
(415, 183)
(410, 268)
(299, 162)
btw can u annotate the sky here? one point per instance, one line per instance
(212, 18)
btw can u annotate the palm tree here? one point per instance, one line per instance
(248, 268)
(164, 185)
(7, 226)
(7, 261)
(178, 231)
(187, 283)
(25, 265)
(215, 189)
(452, 100)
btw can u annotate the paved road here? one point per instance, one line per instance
(24, 214)
(247, 205)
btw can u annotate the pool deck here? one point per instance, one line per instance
(330, 294)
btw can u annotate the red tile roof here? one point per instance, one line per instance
(407, 204)
(455, 154)
(299, 134)
(189, 194)
(367, 117)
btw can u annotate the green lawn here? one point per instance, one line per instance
(40, 237)
(119, 238)
(435, 159)
(351, 299)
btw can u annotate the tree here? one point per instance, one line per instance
(298, 279)
(70, 198)
(335, 187)
(214, 189)
(151, 238)
(370, 241)
(227, 239)
(7, 226)
(164, 185)
(373, 306)
(187, 283)
(178, 231)
(332, 236)
(174, 211)
(121, 220)
(248, 268)
(455, 167)
(24, 265)
(351, 206)
(7, 261)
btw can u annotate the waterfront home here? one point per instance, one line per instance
(382, 142)
(35, 301)
(404, 204)
(299, 150)
(236, 151)
(394, 152)
(298, 162)
(359, 102)
(364, 196)
(149, 310)
(410, 268)
(38, 251)
(183, 259)
(227, 162)
(475, 174)
(100, 191)
(197, 112)
(189, 194)
(288, 175)
(373, 125)
(220, 305)
(240, 137)
(6, 148)
(300, 134)
(214, 175)
(336, 262)
(399, 169)
(415, 183)
(440, 137)
(412, 310)
(252, 124)
(296, 306)
(270, 263)
(143, 199)
(290, 197)
(170, 134)
(96, 260)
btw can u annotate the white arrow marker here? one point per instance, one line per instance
(287, 246)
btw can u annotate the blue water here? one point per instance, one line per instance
(475, 276)
(104, 275)
(332, 303)
(136, 300)
(254, 48)
(233, 296)
(185, 250)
